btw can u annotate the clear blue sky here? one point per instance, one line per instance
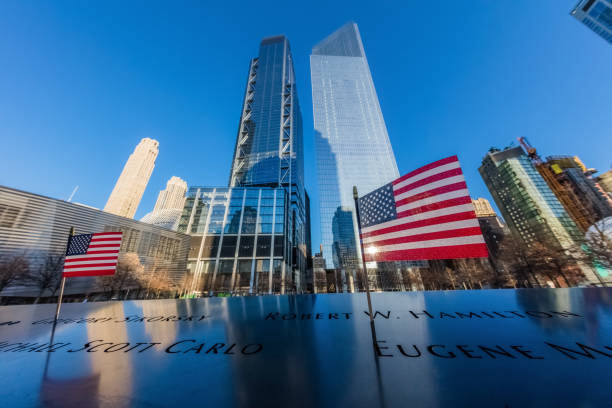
(82, 83)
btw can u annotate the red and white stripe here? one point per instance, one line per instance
(100, 259)
(435, 218)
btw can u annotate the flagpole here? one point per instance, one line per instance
(61, 295)
(365, 271)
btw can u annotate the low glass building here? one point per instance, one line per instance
(239, 240)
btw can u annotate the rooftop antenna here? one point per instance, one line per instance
(72, 195)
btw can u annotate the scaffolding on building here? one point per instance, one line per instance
(567, 197)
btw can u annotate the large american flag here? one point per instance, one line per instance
(92, 254)
(426, 214)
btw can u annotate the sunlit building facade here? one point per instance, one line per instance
(239, 240)
(351, 142)
(173, 196)
(132, 182)
(483, 208)
(169, 205)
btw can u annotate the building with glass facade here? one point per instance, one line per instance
(34, 227)
(585, 200)
(269, 145)
(597, 15)
(351, 141)
(240, 243)
(528, 205)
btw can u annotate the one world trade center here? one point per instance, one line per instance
(351, 141)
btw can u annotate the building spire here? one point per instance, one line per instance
(344, 42)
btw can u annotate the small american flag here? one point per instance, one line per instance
(426, 214)
(92, 254)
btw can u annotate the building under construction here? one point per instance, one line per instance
(569, 179)
(528, 205)
(531, 208)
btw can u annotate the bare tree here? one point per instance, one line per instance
(439, 276)
(557, 264)
(540, 263)
(47, 276)
(597, 248)
(515, 260)
(128, 275)
(503, 278)
(472, 273)
(13, 270)
(160, 283)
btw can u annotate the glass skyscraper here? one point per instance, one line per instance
(597, 15)
(531, 209)
(529, 206)
(351, 140)
(269, 144)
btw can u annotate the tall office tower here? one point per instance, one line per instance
(597, 15)
(351, 140)
(173, 197)
(531, 209)
(132, 182)
(169, 205)
(269, 145)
